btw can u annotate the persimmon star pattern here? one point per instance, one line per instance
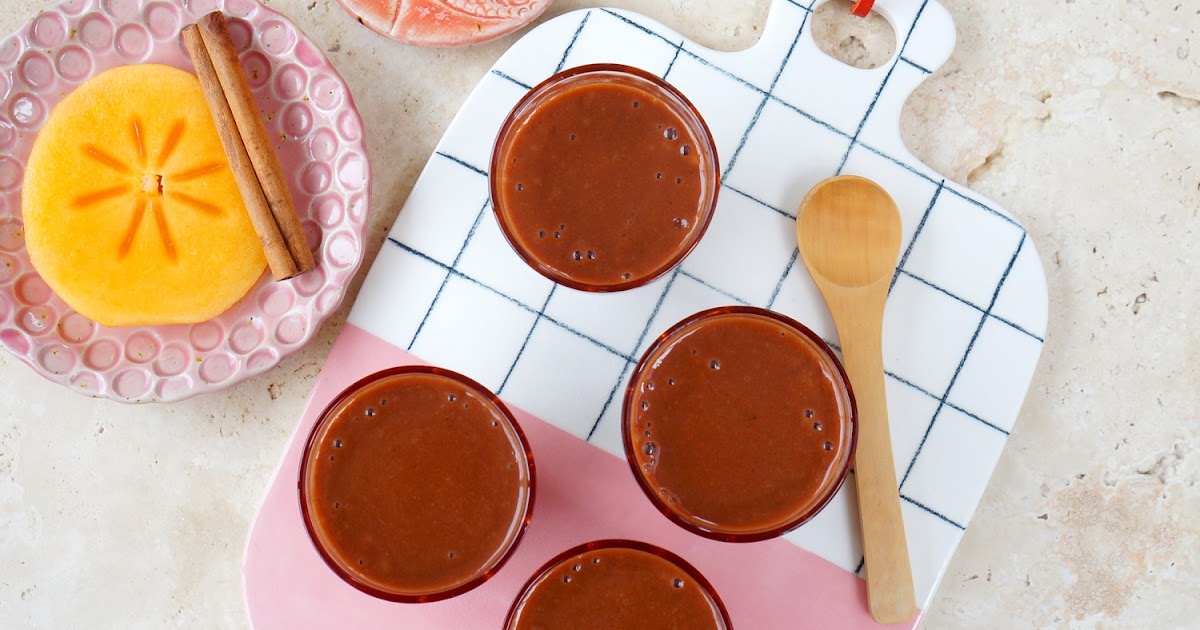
(144, 181)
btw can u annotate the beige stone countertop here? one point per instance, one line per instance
(1079, 116)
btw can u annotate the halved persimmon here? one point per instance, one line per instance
(131, 211)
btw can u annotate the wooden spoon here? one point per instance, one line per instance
(849, 234)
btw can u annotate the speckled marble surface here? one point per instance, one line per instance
(1081, 118)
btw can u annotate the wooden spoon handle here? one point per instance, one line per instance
(889, 575)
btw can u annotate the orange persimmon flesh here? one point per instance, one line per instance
(131, 212)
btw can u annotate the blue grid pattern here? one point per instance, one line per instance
(664, 286)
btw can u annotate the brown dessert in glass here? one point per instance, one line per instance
(617, 585)
(416, 484)
(604, 177)
(739, 424)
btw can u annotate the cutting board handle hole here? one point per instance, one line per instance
(864, 43)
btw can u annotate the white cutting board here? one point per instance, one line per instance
(964, 326)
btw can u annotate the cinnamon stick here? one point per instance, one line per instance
(279, 257)
(254, 136)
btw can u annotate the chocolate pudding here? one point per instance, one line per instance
(416, 484)
(739, 424)
(604, 177)
(617, 585)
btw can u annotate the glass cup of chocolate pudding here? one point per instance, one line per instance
(604, 177)
(739, 424)
(416, 484)
(618, 585)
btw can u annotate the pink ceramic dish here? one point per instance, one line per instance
(320, 145)
(444, 23)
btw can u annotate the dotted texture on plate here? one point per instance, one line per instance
(319, 140)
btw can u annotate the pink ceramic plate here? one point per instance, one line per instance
(320, 145)
(445, 22)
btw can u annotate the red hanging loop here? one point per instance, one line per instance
(862, 8)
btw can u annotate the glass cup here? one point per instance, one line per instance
(416, 484)
(739, 424)
(654, 587)
(604, 177)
